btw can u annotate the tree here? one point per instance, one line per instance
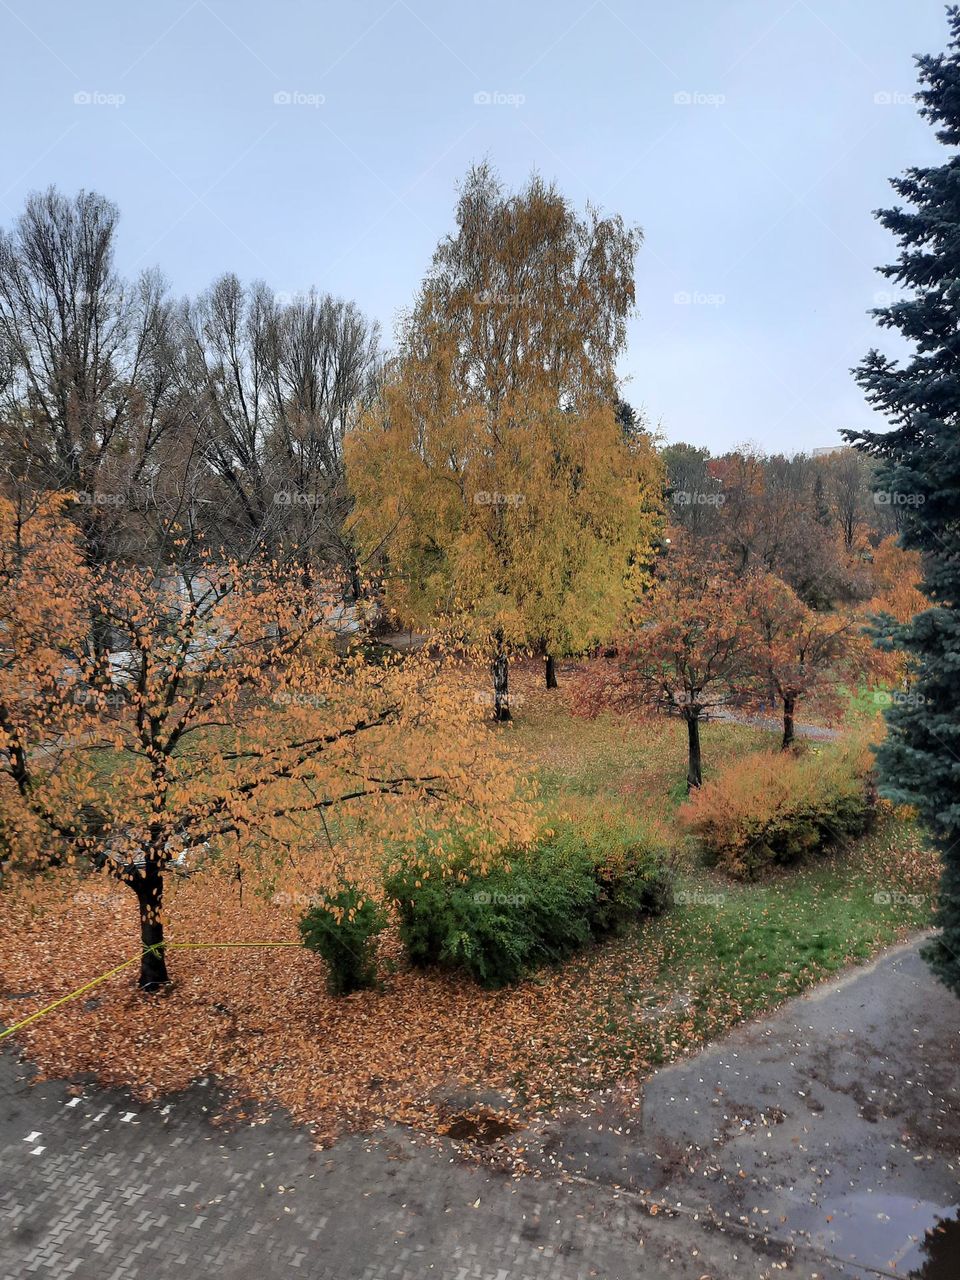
(494, 476)
(847, 475)
(919, 473)
(796, 650)
(277, 383)
(687, 653)
(87, 378)
(694, 494)
(223, 732)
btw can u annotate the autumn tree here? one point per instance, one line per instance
(225, 731)
(494, 474)
(688, 651)
(796, 650)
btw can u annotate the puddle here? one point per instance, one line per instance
(480, 1127)
(914, 1238)
(941, 1251)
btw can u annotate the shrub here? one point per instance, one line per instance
(536, 907)
(775, 808)
(342, 928)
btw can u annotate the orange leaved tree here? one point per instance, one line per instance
(796, 650)
(225, 729)
(688, 651)
(897, 573)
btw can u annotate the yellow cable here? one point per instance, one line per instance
(166, 946)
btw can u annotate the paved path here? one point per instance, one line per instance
(825, 1134)
(774, 724)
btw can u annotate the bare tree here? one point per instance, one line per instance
(278, 382)
(848, 486)
(85, 376)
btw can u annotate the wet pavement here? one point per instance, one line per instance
(820, 1142)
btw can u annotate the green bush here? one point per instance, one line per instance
(538, 906)
(774, 808)
(342, 928)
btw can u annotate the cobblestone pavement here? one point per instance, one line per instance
(98, 1187)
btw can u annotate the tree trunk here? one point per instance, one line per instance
(148, 886)
(788, 735)
(551, 671)
(694, 770)
(501, 674)
(356, 588)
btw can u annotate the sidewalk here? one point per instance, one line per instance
(813, 1144)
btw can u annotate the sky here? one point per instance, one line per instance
(303, 143)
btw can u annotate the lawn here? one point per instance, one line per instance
(262, 1021)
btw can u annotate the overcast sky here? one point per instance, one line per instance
(304, 142)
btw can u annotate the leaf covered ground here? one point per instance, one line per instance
(261, 1021)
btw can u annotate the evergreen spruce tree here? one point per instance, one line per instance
(919, 472)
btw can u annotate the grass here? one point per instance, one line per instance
(626, 761)
(728, 951)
